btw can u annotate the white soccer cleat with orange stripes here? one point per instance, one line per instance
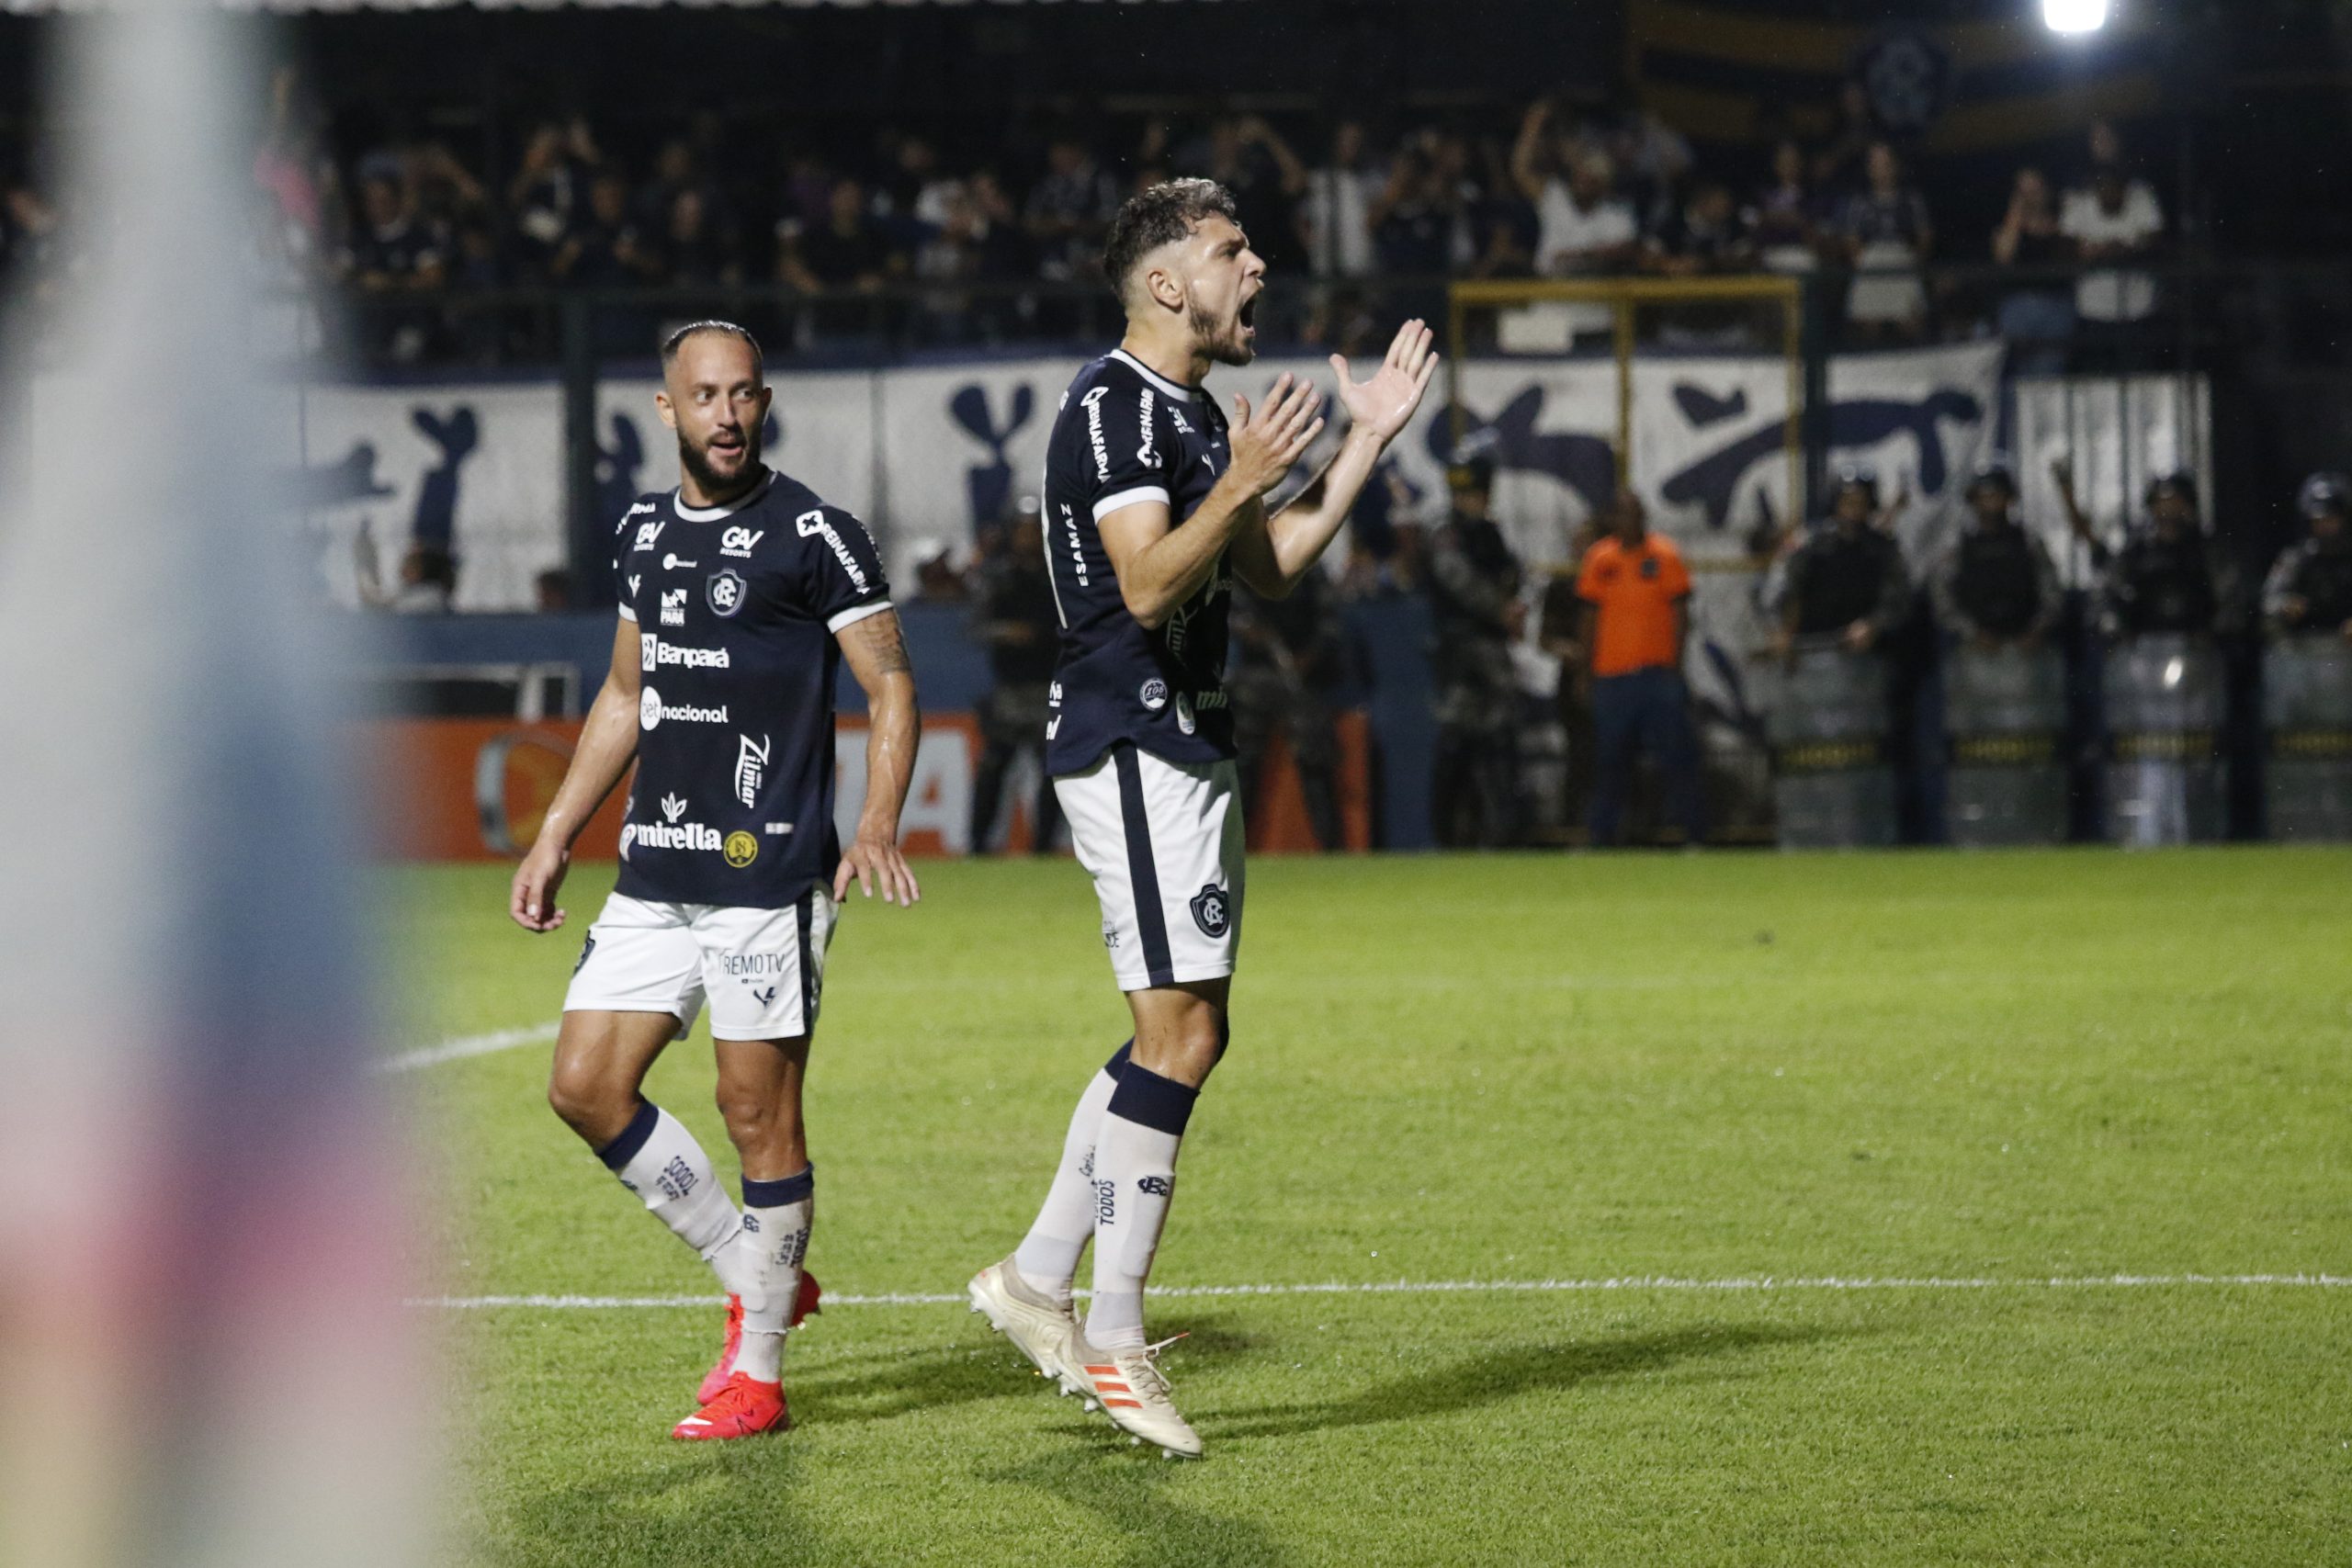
(1042, 1329)
(1134, 1394)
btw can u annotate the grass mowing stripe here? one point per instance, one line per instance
(1473, 1286)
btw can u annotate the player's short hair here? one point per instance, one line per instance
(679, 339)
(1156, 215)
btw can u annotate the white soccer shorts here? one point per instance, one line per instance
(763, 970)
(1163, 842)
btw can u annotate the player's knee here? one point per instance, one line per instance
(748, 1115)
(1200, 1038)
(589, 1103)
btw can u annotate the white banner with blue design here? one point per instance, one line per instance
(925, 454)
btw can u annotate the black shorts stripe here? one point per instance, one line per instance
(807, 965)
(1143, 876)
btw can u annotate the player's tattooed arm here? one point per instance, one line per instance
(875, 646)
(881, 641)
(1272, 557)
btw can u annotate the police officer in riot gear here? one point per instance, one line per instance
(1997, 586)
(1847, 580)
(1017, 623)
(2165, 579)
(2310, 588)
(1473, 582)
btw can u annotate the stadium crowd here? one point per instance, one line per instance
(968, 241)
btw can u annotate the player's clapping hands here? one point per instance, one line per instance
(1271, 437)
(1385, 402)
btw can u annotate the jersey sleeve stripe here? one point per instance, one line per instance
(856, 613)
(629, 611)
(1110, 503)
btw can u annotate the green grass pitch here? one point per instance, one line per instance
(2007, 1068)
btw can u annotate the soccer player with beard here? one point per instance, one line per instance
(1152, 505)
(741, 594)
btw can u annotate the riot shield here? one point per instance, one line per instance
(2005, 712)
(2307, 713)
(2166, 780)
(1832, 785)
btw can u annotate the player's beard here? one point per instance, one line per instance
(696, 462)
(1222, 341)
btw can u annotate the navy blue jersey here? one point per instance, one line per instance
(1127, 434)
(737, 607)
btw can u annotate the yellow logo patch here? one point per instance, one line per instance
(741, 849)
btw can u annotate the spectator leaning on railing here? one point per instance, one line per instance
(1337, 214)
(2112, 218)
(1786, 217)
(1885, 228)
(2036, 316)
(2310, 589)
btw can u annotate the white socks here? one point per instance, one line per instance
(1047, 1258)
(658, 1160)
(1135, 1178)
(774, 1240)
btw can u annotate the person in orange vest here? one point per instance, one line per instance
(1636, 616)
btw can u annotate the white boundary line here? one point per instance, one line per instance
(1461, 1287)
(466, 1045)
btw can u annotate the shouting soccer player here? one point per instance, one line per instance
(741, 593)
(1152, 505)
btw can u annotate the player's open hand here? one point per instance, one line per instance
(873, 863)
(1384, 403)
(531, 900)
(1270, 438)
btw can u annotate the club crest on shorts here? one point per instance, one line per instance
(725, 590)
(1212, 910)
(1154, 694)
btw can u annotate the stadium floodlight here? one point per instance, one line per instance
(2073, 17)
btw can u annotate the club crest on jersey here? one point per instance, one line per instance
(1212, 910)
(1154, 695)
(725, 590)
(738, 541)
(673, 606)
